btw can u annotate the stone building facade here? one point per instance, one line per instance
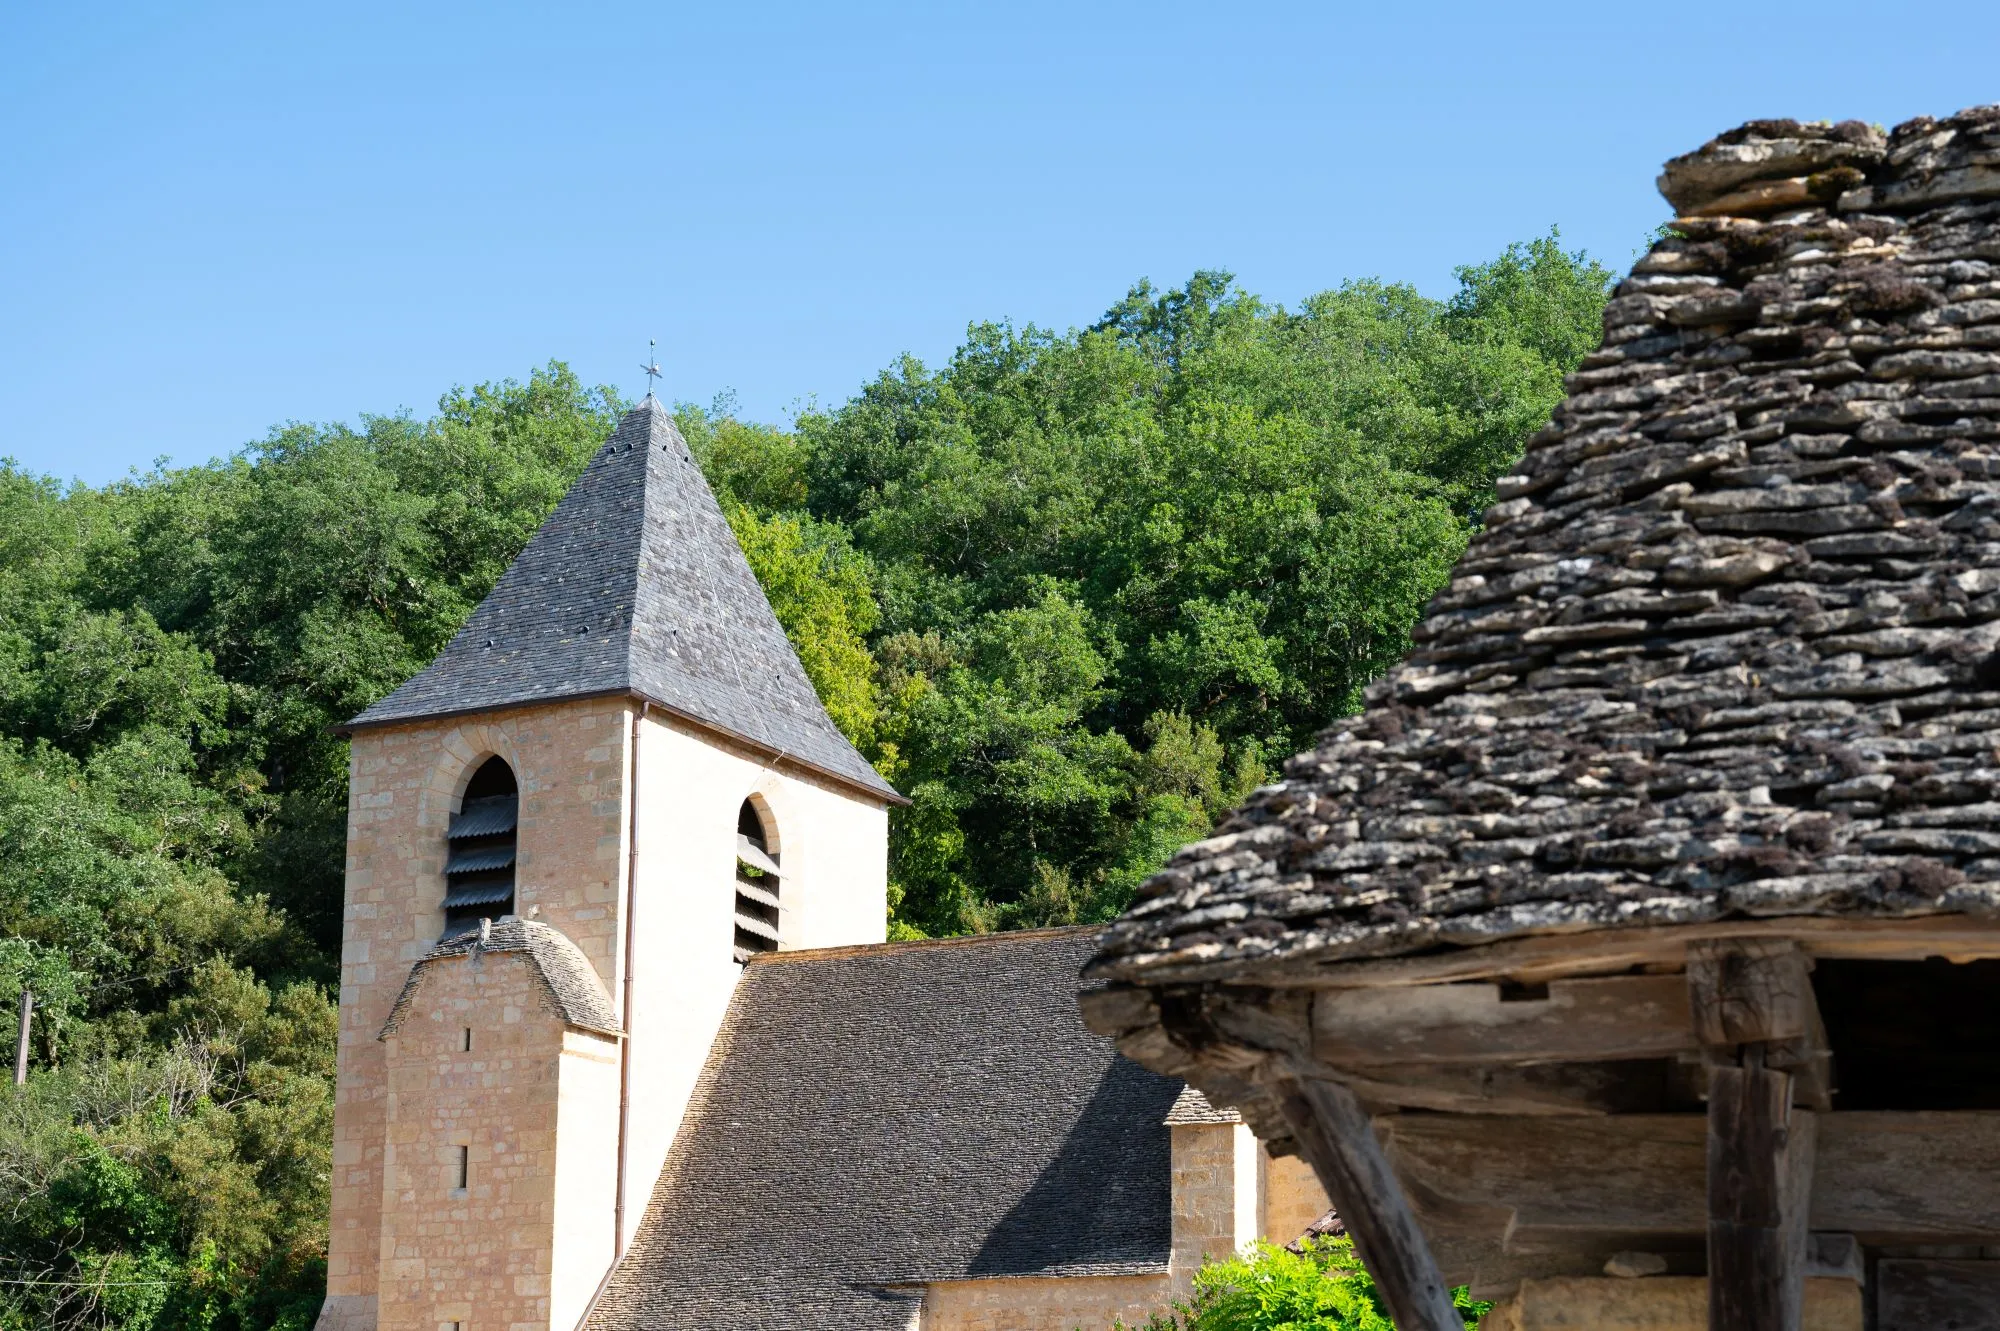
(574, 841)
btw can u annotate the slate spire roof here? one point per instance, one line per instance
(636, 586)
(1729, 644)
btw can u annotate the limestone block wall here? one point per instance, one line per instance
(1653, 1303)
(1033, 1303)
(405, 782)
(1215, 1177)
(479, 1254)
(571, 761)
(1293, 1198)
(586, 1181)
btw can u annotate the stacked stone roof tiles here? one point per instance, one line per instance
(568, 982)
(1726, 644)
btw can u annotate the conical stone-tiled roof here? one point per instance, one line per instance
(636, 585)
(1725, 647)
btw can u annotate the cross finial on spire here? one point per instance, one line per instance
(651, 367)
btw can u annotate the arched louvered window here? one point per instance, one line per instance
(479, 871)
(756, 884)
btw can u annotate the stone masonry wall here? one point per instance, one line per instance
(1653, 1303)
(405, 783)
(1293, 1198)
(586, 1182)
(832, 847)
(1215, 1173)
(1029, 1303)
(448, 1253)
(570, 760)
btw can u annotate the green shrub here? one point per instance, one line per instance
(1324, 1288)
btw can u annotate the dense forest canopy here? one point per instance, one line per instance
(1073, 593)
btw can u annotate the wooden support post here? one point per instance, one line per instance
(1760, 1152)
(1753, 1007)
(1337, 1138)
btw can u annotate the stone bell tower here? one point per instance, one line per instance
(564, 838)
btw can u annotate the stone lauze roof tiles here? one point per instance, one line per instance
(568, 982)
(1726, 643)
(635, 584)
(873, 1118)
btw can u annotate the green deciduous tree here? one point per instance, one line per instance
(1241, 510)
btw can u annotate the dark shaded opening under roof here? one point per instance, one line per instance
(1910, 1035)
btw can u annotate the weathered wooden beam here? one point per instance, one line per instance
(1637, 1175)
(1570, 1021)
(1553, 1089)
(1746, 992)
(1613, 951)
(1932, 1294)
(1749, 990)
(1338, 1139)
(1885, 1177)
(1930, 1177)
(1760, 1154)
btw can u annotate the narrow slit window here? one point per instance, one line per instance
(464, 1168)
(757, 885)
(479, 869)
(468, 1040)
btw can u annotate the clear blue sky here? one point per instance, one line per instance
(218, 217)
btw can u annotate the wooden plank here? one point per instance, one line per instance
(1933, 1294)
(1631, 1174)
(1338, 1139)
(1887, 1178)
(1546, 957)
(1749, 989)
(1760, 1153)
(1627, 1016)
(1553, 1089)
(1911, 1177)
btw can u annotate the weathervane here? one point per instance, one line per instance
(651, 367)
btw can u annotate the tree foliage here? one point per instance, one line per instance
(1073, 593)
(1203, 518)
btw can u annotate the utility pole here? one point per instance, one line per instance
(21, 1047)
